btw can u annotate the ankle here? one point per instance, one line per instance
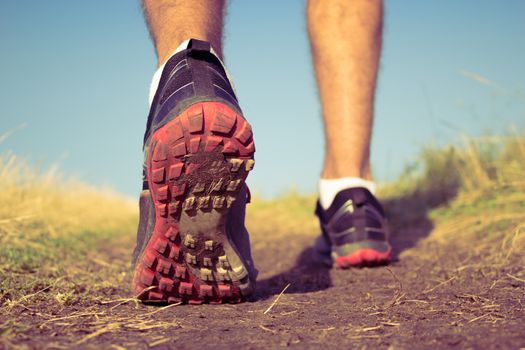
(337, 170)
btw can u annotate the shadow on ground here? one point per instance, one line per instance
(408, 215)
(409, 223)
(306, 276)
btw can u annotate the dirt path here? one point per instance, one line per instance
(435, 296)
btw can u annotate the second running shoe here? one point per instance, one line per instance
(192, 246)
(354, 230)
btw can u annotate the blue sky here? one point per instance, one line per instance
(77, 73)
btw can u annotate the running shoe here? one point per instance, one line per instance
(192, 246)
(354, 230)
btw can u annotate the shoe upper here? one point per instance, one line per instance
(355, 216)
(192, 75)
(146, 224)
(237, 233)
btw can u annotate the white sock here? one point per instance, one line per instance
(329, 188)
(158, 73)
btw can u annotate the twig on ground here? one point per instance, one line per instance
(122, 301)
(69, 317)
(439, 285)
(288, 313)
(267, 329)
(416, 301)
(110, 327)
(397, 279)
(28, 296)
(125, 300)
(478, 318)
(364, 337)
(276, 299)
(159, 341)
(516, 278)
(495, 283)
(399, 293)
(368, 329)
(162, 309)
(117, 347)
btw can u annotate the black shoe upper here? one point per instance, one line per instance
(189, 76)
(355, 215)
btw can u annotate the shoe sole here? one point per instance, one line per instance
(197, 164)
(371, 253)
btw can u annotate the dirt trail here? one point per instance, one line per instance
(434, 296)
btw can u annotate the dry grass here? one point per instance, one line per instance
(475, 191)
(45, 203)
(55, 233)
(47, 223)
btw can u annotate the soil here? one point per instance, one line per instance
(433, 295)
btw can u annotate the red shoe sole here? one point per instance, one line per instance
(363, 257)
(197, 164)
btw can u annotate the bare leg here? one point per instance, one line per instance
(171, 22)
(345, 37)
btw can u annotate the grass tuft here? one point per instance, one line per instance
(473, 194)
